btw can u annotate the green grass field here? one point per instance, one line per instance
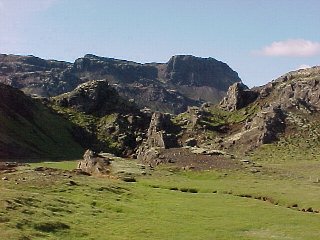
(165, 205)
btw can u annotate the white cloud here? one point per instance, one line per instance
(291, 48)
(303, 66)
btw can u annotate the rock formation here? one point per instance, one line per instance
(107, 122)
(97, 98)
(160, 131)
(263, 128)
(94, 164)
(161, 135)
(238, 97)
(263, 113)
(195, 71)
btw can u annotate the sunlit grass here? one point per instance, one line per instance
(46, 206)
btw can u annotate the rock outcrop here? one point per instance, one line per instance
(94, 164)
(298, 89)
(160, 131)
(96, 97)
(248, 118)
(238, 96)
(161, 135)
(194, 71)
(263, 128)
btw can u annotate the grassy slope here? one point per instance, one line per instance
(45, 136)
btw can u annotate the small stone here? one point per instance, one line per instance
(72, 183)
(245, 161)
(192, 142)
(5, 178)
(129, 179)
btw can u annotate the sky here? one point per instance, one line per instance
(259, 39)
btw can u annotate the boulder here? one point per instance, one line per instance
(94, 163)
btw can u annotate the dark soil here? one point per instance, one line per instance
(8, 166)
(185, 159)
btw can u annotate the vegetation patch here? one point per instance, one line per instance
(51, 226)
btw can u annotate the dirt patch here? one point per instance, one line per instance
(185, 159)
(6, 167)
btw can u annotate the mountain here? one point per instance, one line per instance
(169, 87)
(96, 115)
(28, 129)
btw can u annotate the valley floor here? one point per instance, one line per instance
(52, 202)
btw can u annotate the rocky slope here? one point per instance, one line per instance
(30, 130)
(284, 111)
(169, 87)
(248, 118)
(106, 121)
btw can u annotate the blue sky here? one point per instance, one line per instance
(260, 39)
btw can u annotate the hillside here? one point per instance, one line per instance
(29, 130)
(169, 87)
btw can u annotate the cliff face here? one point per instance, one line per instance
(194, 71)
(170, 87)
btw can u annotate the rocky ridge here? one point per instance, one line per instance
(168, 87)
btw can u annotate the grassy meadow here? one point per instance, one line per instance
(165, 203)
